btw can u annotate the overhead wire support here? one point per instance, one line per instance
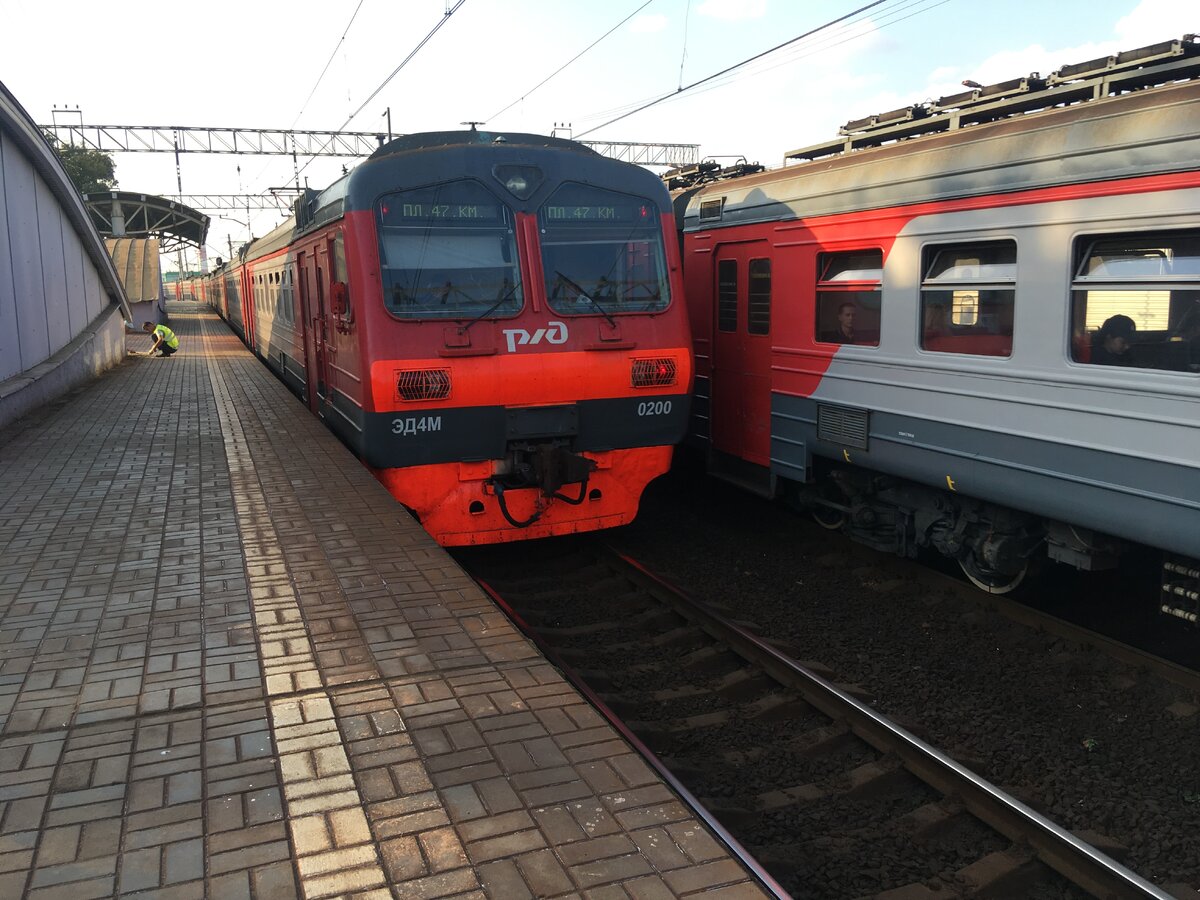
(735, 66)
(246, 141)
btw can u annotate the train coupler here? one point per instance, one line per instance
(1181, 589)
(548, 468)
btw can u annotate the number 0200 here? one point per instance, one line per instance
(654, 407)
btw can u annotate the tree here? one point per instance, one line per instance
(91, 171)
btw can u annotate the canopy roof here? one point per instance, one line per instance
(123, 214)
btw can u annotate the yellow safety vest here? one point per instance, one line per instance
(168, 336)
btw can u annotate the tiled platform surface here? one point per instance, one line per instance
(231, 666)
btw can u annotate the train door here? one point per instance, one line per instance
(249, 310)
(312, 305)
(741, 353)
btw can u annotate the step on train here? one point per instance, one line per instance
(971, 324)
(493, 322)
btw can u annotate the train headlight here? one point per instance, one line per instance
(422, 384)
(520, 181)
(654, 372)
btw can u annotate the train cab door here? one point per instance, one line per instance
(312, 305)
(741, 363)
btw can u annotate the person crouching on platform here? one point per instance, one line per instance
(165, 341)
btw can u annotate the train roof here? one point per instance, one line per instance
(442, 139)
(409, 162)
(1131, 115)
(419, 160)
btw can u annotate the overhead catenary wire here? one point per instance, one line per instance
(836, 39)
(317, 83)
(571, 60)
(687, 14)
(328, 63)
(844, 34)
(425, 40)
(739, 65)
(375, 93)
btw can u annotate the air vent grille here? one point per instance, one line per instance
(423, 384)
(846, 427)
(654, 372)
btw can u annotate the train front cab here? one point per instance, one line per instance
(530, 368)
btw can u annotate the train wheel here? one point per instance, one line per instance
(831, 519)
(990, 580)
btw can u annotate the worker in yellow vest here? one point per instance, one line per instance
(165, 341)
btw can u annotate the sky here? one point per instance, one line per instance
(278, 64)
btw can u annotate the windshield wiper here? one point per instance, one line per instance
(584, 294)
(495, 306)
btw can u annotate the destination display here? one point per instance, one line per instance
(611, 212)
(462, 203)
(401, 213)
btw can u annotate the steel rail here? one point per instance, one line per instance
(1071, 857)
(719, 830)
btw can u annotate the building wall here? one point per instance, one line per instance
(58, 287)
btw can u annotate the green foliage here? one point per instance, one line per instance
(91, 171)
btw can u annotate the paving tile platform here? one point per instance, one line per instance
(232, 666)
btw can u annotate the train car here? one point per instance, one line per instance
(493, 322)
(972, 325)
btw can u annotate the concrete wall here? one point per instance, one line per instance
(98, 347)
(59, 292)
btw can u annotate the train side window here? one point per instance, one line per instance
(849, 298)
(758, 307)
(339, 272)
(727, 291)
(1135, 301)
(968, 296)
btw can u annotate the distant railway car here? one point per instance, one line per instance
(493, 322)
(974, 325)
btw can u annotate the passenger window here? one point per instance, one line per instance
(758, 309)
(849, 297)
(727, 290)
(1135, 301)
(968, 293)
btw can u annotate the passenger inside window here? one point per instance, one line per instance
(844, 333)
(849, 297)
(1111, 346)
(1141, 291)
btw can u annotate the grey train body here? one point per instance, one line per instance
(1106, 448)
(992, 459)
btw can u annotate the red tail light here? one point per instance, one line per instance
(423, 384)
(653, 372)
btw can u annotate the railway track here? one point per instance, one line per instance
(827, 798)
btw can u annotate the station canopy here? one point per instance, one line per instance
(120, 214)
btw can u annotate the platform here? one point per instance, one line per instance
(231, 666)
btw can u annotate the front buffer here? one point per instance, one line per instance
(488, 503)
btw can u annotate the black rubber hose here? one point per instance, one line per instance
(504, 509)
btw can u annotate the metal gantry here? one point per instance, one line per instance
(280, 201)
(287, 142)
(250, 141)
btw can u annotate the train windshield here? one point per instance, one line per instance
(602, 252)
(448, 252)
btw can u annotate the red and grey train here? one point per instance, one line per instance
(493, 322)
(972, 325)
